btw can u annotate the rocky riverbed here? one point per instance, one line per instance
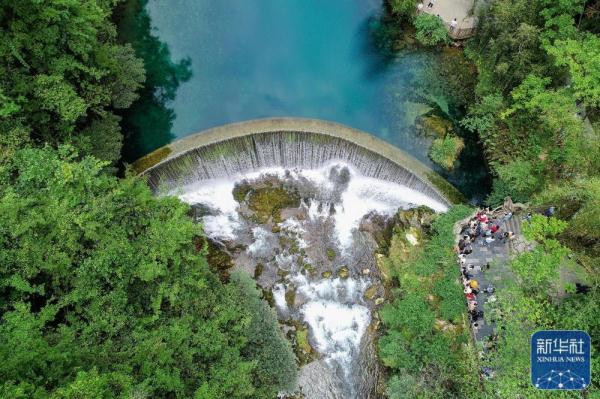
(310, 239)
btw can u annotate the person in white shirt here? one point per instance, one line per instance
(453, 24)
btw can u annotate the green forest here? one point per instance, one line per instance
(106, 290)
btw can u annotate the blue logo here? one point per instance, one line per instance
(560, 360)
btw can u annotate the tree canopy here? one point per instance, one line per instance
(63, 73)
(104, 290)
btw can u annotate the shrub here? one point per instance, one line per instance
(431, 30)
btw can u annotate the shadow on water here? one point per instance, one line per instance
(147, 123)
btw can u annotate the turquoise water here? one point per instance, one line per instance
(338, 60)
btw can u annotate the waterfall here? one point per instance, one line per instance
(291, 150)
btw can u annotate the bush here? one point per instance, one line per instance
(431, 30)
(404, 8)
(518, 179)
(104, 292)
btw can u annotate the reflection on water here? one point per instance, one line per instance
(340, 60)
(148, 122)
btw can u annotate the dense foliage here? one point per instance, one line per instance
(431, 30)
(445, 150)
(105, 290)
(538, 81)
(62, 74)
(537, 113)
(426, 342)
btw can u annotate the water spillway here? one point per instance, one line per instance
(291, 143)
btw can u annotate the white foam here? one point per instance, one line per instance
(260, 248)
(337, 328)
(334, 309)
(334, 315)
(222, 226)
(363, 195)
(279, 297)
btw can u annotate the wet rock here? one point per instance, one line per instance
(318, 380)
(299, 300)
(367, 372)
(366, 272)
(290, 296)
(419, 218)
(378, 226)
(326, 274)
(267, 202)
(379, 301)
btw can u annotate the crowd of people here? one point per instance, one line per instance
(485, 228)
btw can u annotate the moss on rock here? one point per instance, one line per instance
(343, 272)
(444, 151)
(446, 189)
(267, 202)
(290, 296)
(331, 254)
(435, 125)
(148, 161)
(371, 292)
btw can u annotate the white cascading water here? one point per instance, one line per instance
(333, 308)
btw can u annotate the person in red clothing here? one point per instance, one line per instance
(495, 228)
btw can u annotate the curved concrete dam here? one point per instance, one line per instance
(291, 143)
